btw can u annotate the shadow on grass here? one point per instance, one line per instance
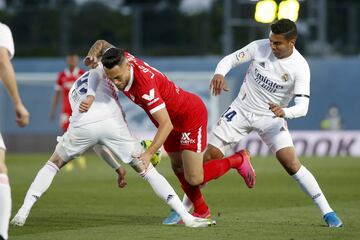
(74, 222)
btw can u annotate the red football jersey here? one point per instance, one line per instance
(64, 83)
(152, 90)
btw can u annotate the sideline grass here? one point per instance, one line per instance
(86, 204)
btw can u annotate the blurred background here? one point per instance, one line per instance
(185, 39)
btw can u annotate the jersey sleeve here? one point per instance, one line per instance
(236, 58)
(59, 83)
(93, 81)
(302, 80)
(6, 40)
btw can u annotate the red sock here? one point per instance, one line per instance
(194, 194)
(216, 168)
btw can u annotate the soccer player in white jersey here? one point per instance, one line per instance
(277, 73)
(7, 75)
(102, 123)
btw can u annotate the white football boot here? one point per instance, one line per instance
(20, 217)
(196, 222)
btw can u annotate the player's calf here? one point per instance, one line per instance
(20, 217)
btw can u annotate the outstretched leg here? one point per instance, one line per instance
(307, 182)
(40, 184)
(163, 189)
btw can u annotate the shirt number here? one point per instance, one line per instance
(228, 114)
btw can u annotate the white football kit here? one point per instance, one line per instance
(103, 123)
(7, 42)
(267, 80)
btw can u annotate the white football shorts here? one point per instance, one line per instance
(110, 132)
(235, 123)
(2, 144)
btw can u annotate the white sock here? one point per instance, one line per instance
(5, 205)
(187, 203)
(163, 189)
(310, 186)
(40, 184)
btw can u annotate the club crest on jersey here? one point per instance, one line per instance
(240, 56)
(285, 77)
(149, 96)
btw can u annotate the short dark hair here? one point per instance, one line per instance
(285, 27)
(112, 57)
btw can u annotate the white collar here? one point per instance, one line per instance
(75, 72)
(128, 86)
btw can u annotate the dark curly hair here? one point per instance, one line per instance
(285, 27)
(112, 57)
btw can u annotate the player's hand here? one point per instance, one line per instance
(22, 115)
(217, 84)
(121, 177)
(276, 109)
(86, 104)
(145, 158)
(91, 61)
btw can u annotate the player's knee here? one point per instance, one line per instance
(293, 167)
(176, 167)
(3, 168)
(137, 165)
(194, 180)
(56, 159)
(212, 152)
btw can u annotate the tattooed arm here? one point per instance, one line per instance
(95, 52)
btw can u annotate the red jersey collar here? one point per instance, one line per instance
(128, 86)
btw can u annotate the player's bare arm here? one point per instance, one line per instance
(7, 75)
(95, 52)
(163, 131)
(86, 104)
(217, 84)
(277, 110)
(54, 103)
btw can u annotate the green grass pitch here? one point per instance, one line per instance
(86, 204)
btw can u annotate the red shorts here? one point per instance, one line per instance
(64, 121)
(190, 132)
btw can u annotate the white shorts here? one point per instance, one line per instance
(110, 132)
(236, 123)
(2, 144)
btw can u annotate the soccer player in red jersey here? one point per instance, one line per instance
(64, 82)
(180, 117)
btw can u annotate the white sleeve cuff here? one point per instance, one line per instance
(155, 109)
(90, 92)
(300, 108)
